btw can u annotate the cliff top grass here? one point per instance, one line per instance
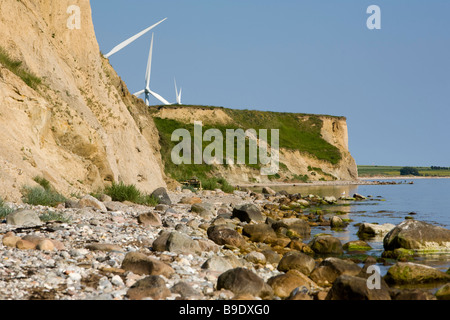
(18, 69)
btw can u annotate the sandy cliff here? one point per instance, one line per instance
(80, 128)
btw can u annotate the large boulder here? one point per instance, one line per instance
(331, 268)
(258, 232)
(285, 283)
(176, 242)
(443, 292)
(243, 281)
(140, 263)
(90, 201)
(369, 230)
(248, 213)
(355, 288)
(326, 245)
(413, 273)
(297, 261)
(300, 226)
(150, 219)
(24, 218)
(162, 196)
(418, 236)
(222, 235)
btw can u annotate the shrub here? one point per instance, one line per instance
(122, 192)
(53, 216)
(44, 183)
(40, 196)
(4, 210)
(406, 171)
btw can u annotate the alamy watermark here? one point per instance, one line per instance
(190, 149)
(373, 281)
(74, 20)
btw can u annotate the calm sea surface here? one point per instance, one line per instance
(428, 198)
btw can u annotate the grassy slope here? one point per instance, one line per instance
(391, 171)
(296, 133)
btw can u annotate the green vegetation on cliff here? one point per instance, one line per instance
(17, 68)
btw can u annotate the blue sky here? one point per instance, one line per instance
(392, 85)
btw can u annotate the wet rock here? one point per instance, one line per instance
(243, 281)
(330, 199)
(140, 263)
(354, 288)
(284, 284)
(413, 273)
(223, 235)
(162, 196)
(326, 245)
(176, 242)
(150, 219)
(374, 230)
(331, 268)
(412, 294)
(90, 201)
(417, 235)
(248, 213)
(357, 196)
(297, 261)
(150, 287)
(300, 246)
(356, 245)
(24, 218)
(443, 292)
(267, 190)
(300, 226)
(258, 232)
(337, 223)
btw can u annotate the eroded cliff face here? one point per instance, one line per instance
(80, 128)
(292, 162)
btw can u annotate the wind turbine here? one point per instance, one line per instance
(130, 40)
(147, 90)
(178, 94)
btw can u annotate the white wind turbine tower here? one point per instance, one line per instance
(130, 40)
(147, 90)
(178, 94)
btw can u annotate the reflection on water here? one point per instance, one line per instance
(426, 198)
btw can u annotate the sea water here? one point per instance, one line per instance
(428, 199)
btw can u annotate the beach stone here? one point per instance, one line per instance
(284, 284)
(217, 263)
(162, 207)
(45, 245)
(357, 196)
(413, 273)
(267, 190)
(330, 199)
(413, 294)
(150, 219)
(248, 213)
(326, 245)
(177, 242)
(140, 263)
(443, 292)
(258, 232)
(223, 235)
(10, 240)
(300, 246)
(297, 261)
(90, 201)
(331, 268)
(337, 223)
(184, 289)
(24, 217)
(103, 247)
(116, 206)
(150, 287)
(374, 230)
(190, 200)
(204, 210)
(417, 235)
(348, 287)
(356, 245)
(298, 225)
(162, 196)
(299, 295)
(255, 257)
(25, 245)
(207, 245)
(271, 256)
(243, 281)
(33, 238)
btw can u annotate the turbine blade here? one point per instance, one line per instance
(130, 40)
(157, 96)
(149, 65)
(139, 93)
